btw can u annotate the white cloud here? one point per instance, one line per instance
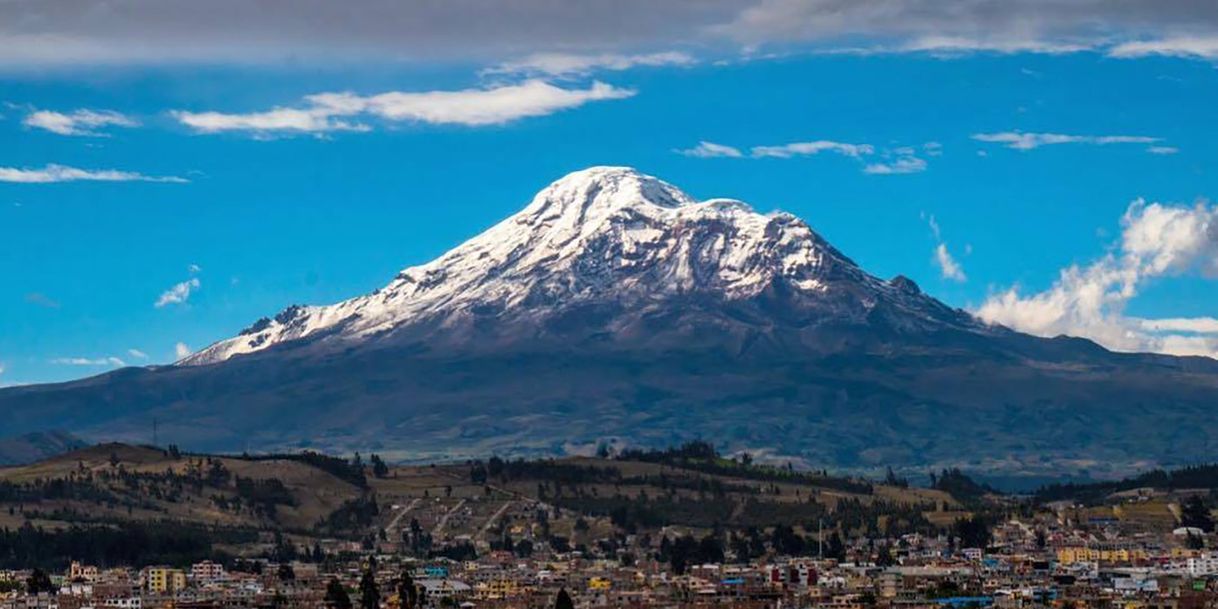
(180, 350)
(1198, 47)
(958, 27)
(4, 383)
(567, 64)
(1028, 141)
(315, 31)
(949, 267)
(786, 151)
(1163, 150)
(1157, 241)
(315, 119)
(179, 293)
(893, 161)
(903, 164)
(453, 31)
(86, 361)
(62, 173)
(1193, 325)
(326, 112)
(81, 122)
(706, 150)
(194, 268)
(966, 44)
(137, 354)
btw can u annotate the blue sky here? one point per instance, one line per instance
(1006, 167)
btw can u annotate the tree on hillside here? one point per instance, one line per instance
(369, 594)
(563, 600)
(336, 595)
(408, 594)
(973, 532)
(477, 473)
(494, 467)
(835, 548)
(379, 469)
(39, 582)
(1194, 513)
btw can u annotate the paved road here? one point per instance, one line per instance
(490, 521)
(393, 524)
(435, 532)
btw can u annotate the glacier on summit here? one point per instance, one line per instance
(597, 236)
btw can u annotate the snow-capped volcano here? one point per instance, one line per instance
(615, 306)
(604, 236)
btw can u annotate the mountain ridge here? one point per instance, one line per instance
(615, 308)
(597, 235)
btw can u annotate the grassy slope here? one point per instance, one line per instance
(317, 493)
(430, 494)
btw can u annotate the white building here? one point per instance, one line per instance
(1206, 564)
(206, 571)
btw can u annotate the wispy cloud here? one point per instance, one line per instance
(87, 361)
(1157, 241)
(1019, 140)
(875, 161)
(82, 122)
(901, 164)
(786, 151)
(952, 45)
(573, 64)
(137, 354)
(42, 300)
(1197, 47)
(1163, 150)
(181, 351)
(179, 293)
(4, 383)
(327, 112)
(949, 267)
(62, 173)
(1190, 325)
(707, 150)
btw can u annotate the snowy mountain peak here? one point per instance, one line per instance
(583, 202)
(602, 189)
(610, 238)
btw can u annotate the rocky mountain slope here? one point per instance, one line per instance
(614, 306)
(608, 248)
(30, 447)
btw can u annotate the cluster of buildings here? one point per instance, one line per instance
(1024, 566)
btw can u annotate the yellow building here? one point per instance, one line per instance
(164, 580)
(1068, 555)
(497, 589)
(599, 583)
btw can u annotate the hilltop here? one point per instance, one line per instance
(247, 502)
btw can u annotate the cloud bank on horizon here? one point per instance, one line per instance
(561, 38)
(1089, 300)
